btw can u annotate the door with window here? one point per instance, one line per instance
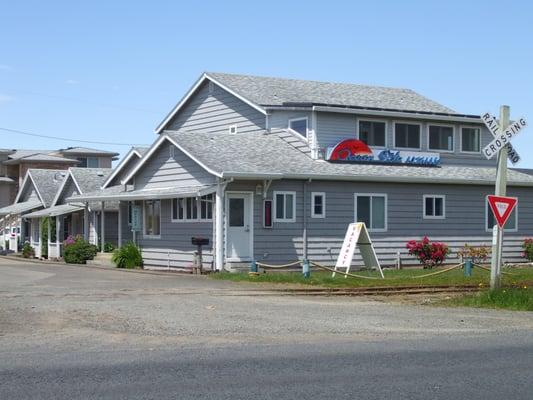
(239, 229)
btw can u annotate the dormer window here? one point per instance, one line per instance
(299, 125)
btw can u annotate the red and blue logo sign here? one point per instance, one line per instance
(353, 150)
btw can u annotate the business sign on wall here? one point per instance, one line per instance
(354, 150)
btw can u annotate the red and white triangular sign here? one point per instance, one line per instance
(502, 207)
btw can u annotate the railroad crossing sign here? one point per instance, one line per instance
(502, 207)
(502, 138)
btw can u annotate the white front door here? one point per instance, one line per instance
(239, 229)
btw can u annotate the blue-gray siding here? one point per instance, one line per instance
(167, 169)
(125, 171)
(69, 190)
(215, 112)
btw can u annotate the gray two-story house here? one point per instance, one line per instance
(275, 169)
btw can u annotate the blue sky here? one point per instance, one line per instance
(110, 71)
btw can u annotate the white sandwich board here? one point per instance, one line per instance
(357, 236)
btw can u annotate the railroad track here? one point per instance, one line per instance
(381, 290)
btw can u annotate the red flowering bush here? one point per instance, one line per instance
(429, 254)
(528, 249)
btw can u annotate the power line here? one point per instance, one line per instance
(67, 139)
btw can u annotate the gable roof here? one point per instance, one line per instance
(269, 156)
(263, 92)
(85, 180)
(46, 183)
(135, 151)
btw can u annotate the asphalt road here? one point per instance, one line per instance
(79, 333)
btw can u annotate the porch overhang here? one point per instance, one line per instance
(113, 193)
(20, 208)
(54, 211)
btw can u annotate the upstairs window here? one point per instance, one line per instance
(434, 207)
(285, 206)
(190, 209)
(87, 162)
(470, 140)
(440, 138)
(407, 136)
(372, 133)
(299, 125)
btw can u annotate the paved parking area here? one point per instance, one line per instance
(58, 320)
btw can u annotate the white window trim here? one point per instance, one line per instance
(434, 196)
(394, 123)
(488, 210)
(144, 235)
(384, 195)
(461, 138)
(323, 195)
(198, 211)
(275, 218)
(444, 126)
(357, 120)
(306, 137)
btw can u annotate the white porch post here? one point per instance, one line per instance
(102, 227)
(119, 224)
(58, 235)
(49, 241)
(86, 222)
(219, 228)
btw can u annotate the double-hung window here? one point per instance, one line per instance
(284, 206)
(192, 208)
(434, 207)
(88, 162)
(299, 125)
(372, 133)
(318, 205)
(441, 137)
(372, 210)
(406, 136)
(152, 218)
(510, 226)
(470, 140)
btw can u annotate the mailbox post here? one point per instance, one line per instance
(198, 262)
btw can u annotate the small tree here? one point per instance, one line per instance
(429, 254)
(128, 256)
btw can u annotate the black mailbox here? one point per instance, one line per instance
(199, 241)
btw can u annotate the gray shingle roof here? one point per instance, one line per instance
(87, 151)
(90, 179)
(47, 182)
(40, 157)
(267, 91)
(262, 154)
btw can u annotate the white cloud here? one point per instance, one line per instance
(71, 82)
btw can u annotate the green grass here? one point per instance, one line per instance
(518, 299)
(404, 277)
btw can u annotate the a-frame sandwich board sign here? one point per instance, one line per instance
(357, 236)
(502, 207)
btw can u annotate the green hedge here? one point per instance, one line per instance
(78, 251)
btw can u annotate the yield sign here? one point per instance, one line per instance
(502, 207)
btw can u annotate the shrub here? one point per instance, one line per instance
(528, 249)
(476, 254)
(128, 256)
(109, 247)
(429, 254)
(27, 250)
(78, 251)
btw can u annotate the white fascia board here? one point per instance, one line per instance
(399, 114)
(63, 184)
(121, 165)
(192, 90)
(21, 189)
(154, 147)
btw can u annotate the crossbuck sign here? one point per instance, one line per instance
(502, 138)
